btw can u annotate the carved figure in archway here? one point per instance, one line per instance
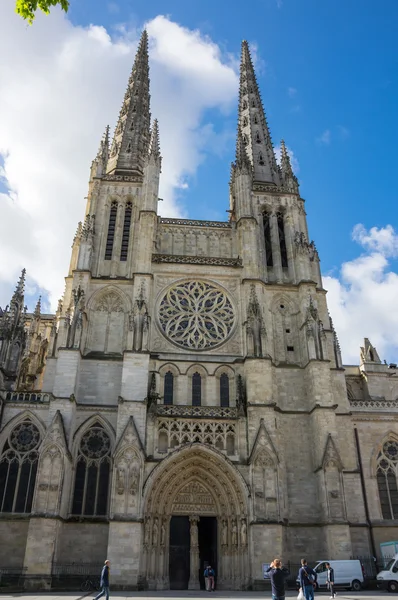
(140, 323)
(243, 532)
(155, 532)
(163, 534)
(224, 533)
(234, 530)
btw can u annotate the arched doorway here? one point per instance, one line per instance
(195, 512)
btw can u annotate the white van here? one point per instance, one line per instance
(388, 578)
(347, 573)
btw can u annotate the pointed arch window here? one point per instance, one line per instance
(126, 232)
(260, 159)
(245, 122)
(244, 105)
(92, 473)
(244, 139)
(168, 388)
(196, 389)
(132, 126)
(387, 465)
(258, 138)
(128, 149)
(255, 120)
(111, 231)
(18, 469)
(253, 103)
(282, 239)
(224, 390)
(267, 239)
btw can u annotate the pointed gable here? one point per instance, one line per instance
(55, 436)
(263, 445)
(129, 437)
(331, 456)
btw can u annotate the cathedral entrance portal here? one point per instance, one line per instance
(195, 513)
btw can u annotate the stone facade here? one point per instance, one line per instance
(191, 372)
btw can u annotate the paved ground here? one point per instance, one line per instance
(364, 595)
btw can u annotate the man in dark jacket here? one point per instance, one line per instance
(104, 581)
(278, 576)
(330, 580)
(307, 577)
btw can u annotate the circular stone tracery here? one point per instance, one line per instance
(196, 315)
(95, 443)
(24, 437)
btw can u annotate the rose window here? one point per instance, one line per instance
(95, 443)
(24, 437)
(196, 315)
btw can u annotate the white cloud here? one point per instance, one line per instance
(363, 299)
(60, 85)
(324, 138)
(291, 92)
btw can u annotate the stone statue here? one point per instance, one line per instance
(120, 477)
(140, 323)
(75, 322)
(163, 534)
(234, 533)
(194, 533)
(224, 533)
(155, 532)
(255, 325)
(147, 531)
(134, 476)
(243, 532)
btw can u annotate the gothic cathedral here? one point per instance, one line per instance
(187, 403)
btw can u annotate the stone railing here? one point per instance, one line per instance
(32, 397)
(198, 412)
(380, 404)
(193, 223)
(197, 260)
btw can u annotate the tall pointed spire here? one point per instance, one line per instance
(154, 144)
(288, 177)
(242, 161)
(37, 310)
(253, 124)
(18, 295)
(131, 139)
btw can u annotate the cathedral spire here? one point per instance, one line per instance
(288, 177)
(18, 295)
(242, 161)
(253, 124)
(37, 311)
(131, 139)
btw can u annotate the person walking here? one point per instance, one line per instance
(330, 580)
(104, 581)
(278, 576)
(307, 577)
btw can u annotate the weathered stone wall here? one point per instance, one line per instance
(13, 537)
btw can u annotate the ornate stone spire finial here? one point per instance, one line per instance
(19, 290)
(288, 177)
(253, 124)
(131, 139)
(154, 144)
(37, 311)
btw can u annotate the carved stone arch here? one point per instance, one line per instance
(108, 310)
(169, 385)
(332, 484)
(377, 449)
(169, 367)
(197, 373)
(197, 368)
(196, 481)
(86, 425)
(219, 374)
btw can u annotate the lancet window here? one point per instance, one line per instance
(92, 473)
(111, 231)
(224, 390)
(168, 388)
(387, 465)
(196, 389)
(126, 232)
(267, 239)
(18, 468)
(282, 240)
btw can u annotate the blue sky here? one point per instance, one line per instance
(328, 76)
(323, 67)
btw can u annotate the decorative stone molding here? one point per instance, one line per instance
(200, 412)
(374, 404)
(221, 435)
(194, 223)
(32, 397)
(197, 260)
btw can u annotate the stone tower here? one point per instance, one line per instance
(193, 406)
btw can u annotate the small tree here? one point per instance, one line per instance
(27, 8)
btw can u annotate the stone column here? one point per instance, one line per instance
(276, 253)
(194, 555)
(289, 236)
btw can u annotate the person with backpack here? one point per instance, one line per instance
(307, 577)
(209, 578)
(278, 576)
(330, 580)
